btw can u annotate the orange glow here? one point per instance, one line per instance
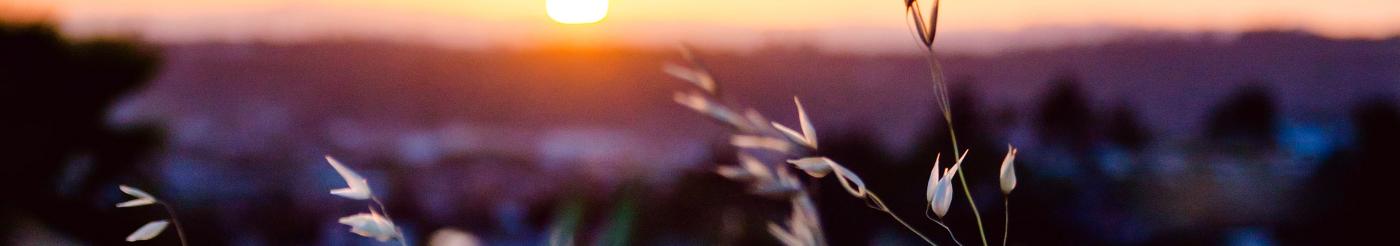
(23, 13)
(662, 23)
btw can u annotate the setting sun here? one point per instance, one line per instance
(576, 11)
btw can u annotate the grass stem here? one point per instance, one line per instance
(941, 89)
(179, 231)
(1006, 231)
(940, 223)
(886, 209)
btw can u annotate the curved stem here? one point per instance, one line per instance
(942, 93)
(950, 232)
(1006, 231)
(403, 241)
(180, 231)
(945, 227)
(885, 209)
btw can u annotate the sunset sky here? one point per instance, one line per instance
(837, 24)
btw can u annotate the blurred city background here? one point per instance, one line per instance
(1139, 123)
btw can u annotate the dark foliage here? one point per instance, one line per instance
(1247, 120)
(62, 159)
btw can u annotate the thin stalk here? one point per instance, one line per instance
(885, 209)
(945, 227)
(403, 241)
(949, 232)
(180, 231)
(942, 91)
(1006, 231)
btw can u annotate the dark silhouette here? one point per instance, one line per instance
(1347, 194)
(1245, 121)
(62, 159)
(1065, 117)
(1125, 130)
(1368, 180)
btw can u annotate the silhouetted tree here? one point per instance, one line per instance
(61, 157)
(1245, 121)
(1066, 117)
(1347, 194)
(1377, 133)
(1082, 203)
(1125, 130)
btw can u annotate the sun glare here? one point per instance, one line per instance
(576, 11)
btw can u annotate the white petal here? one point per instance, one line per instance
(932, 179)
(136, 202)
(148, 231)
(849, 180)
(1008, 172)
(816, 166)
(142, 198)
(800, 230)
(754, 167)
(370, 225)
(796, 216)
(680, 72)
(787, 180)
(355, 220)
(705, 78)
(699, 103)
(783, 186)
(759, 142)
(693, 101)
(943, 193)
(358, 187)
(352, 193)
(794, 135)
(949, 173)
(453, 237)
(783, 236)
(756, 119)
(734, 173)
(943, 196)
(135, 192)
(957, 166)
(807, 130)
(695, 76)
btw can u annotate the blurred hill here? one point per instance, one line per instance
(249, 95)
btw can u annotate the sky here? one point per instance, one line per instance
(860, 25)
